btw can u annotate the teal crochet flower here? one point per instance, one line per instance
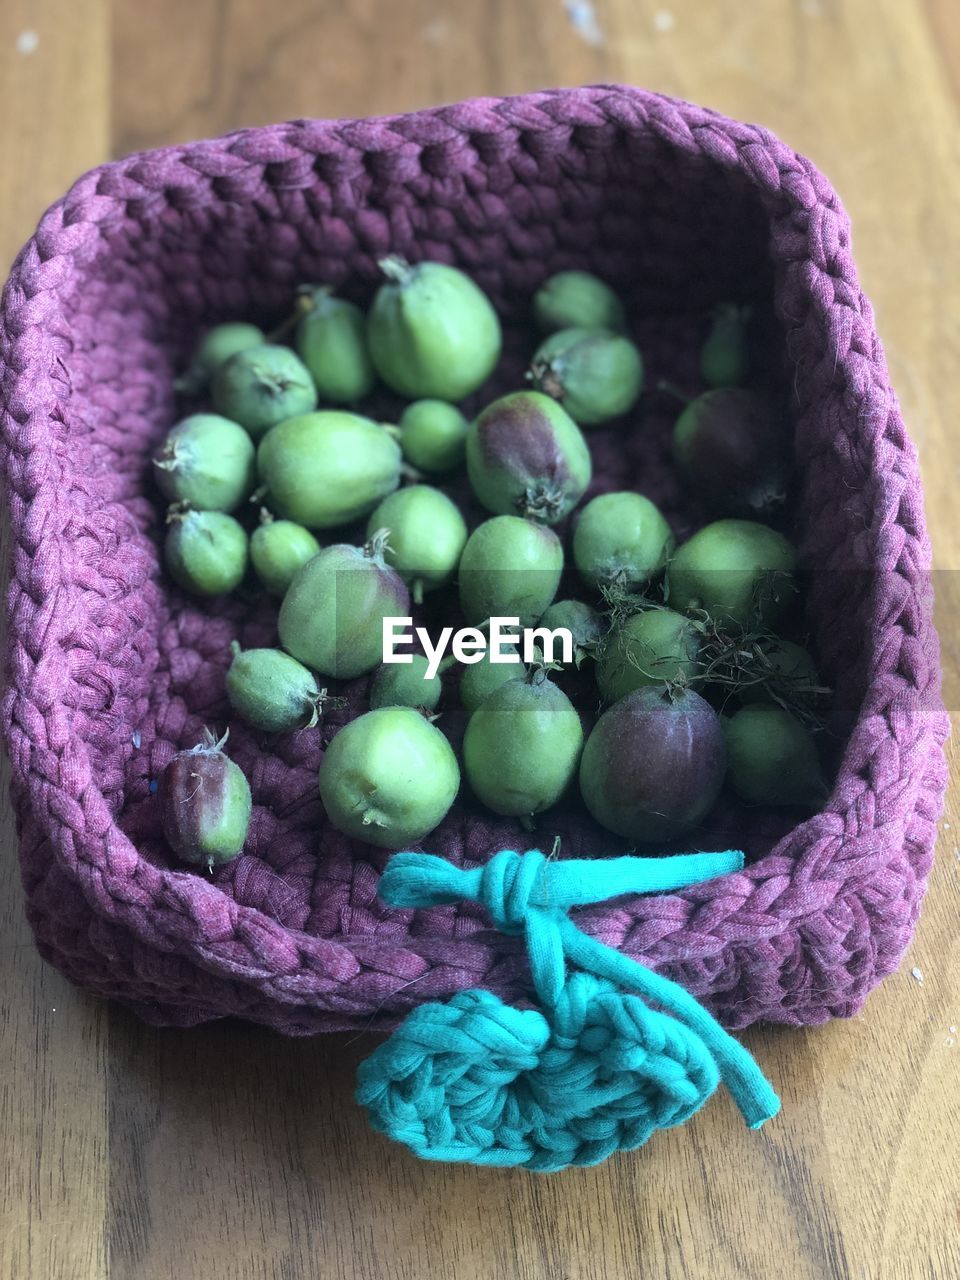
(596, 1069)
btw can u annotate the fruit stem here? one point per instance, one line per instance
(235, 648)
(671, 389)
(416, 590)
(302, 307)
(396, 269)
(377, 545)
(526, 821)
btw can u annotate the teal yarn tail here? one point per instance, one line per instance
(595, 1069)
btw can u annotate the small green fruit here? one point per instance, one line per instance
(510, 568)
(328, 468)
(332, 342)
(788, 671)
(479, 680)
(572, 298)
(431, 331)
(426, 536)
(205, 805)
(405, 685)
(736, 571)
(272, 691)
(621, 539)
(650, 648)
(263, 386)
(206, 461)
(772, 758)
(585, 625)
(214, 349)
(389, 777)
(278, 548)
(433, 435)
(522, 747)
(331, 618)
(206, 551)
(526, 456)
(724, 358)
(595, 374)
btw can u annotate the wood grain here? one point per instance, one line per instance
(131, 1153)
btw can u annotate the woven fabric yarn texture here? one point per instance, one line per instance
(111, 670)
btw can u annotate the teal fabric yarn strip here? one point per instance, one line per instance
(613, 1053)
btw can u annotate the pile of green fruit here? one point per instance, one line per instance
(676, 637)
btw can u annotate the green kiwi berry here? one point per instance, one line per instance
(206, 551)
(431, 331)
(426, 536)
(332, 342)
(388, 778)
(263, 386)
(577, 298)
(433, 435)
(272, 691)
(207, 462)
(278, 548)
(328, 468)
(597, 375)
(405, 684)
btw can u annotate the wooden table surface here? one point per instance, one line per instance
(229, 1152)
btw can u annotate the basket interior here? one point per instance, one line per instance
(673, 232)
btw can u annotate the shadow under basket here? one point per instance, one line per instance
(111, 670)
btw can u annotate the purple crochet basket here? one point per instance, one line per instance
(111, 671)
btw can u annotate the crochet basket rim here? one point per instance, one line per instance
(845, 862)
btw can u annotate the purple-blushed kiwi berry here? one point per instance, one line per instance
(426, 536)
(272, 691)
(214, 349)
(772, 758)
(433, 435)
(405, 684)
(510, 568)
(654, 647)
(431, 331)
(724, 356)
(332, 342)
(278, 548)
(206, 551)
(654, 764)
(389, 777)
(621, 539)
(522, 746)
(263, 386)
(328, 468)
(206, 461)
(731, 448)
(205, 804)
(576, 298)
(587, 628)
(331, 618)
(479, 679)
(526, 456)
(597, 375)
(736, 571)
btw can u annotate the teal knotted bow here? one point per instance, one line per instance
(597, 1070)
